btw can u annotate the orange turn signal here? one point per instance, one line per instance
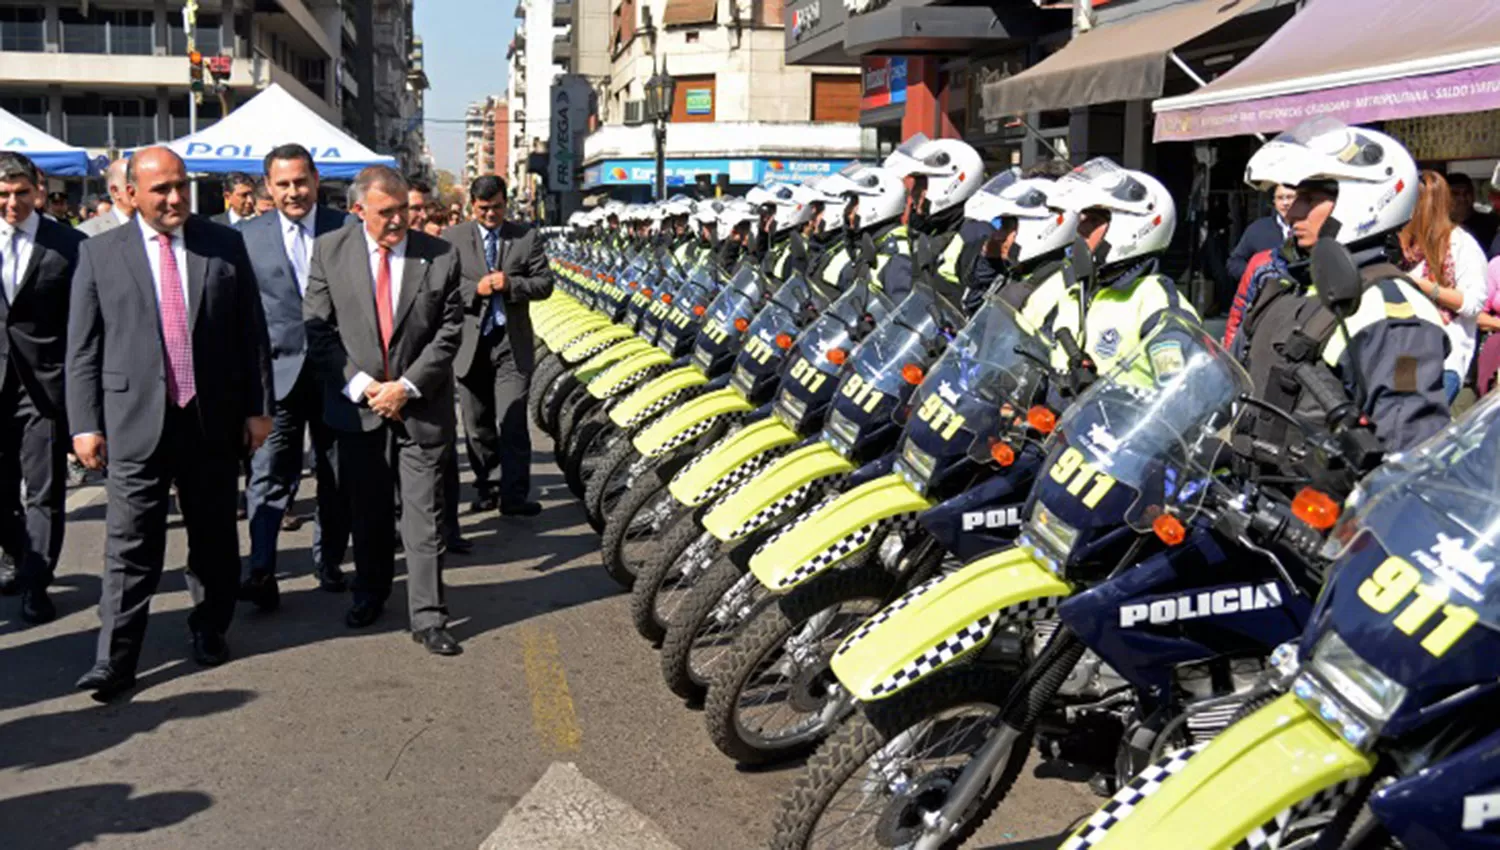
(1169, 529)
(1041, 419)
(1316, 509)
(837, 356)
(1002, 454)
(912, 374)
(646, 292)
(666, 298)
(742, 325)
(699, 309)
(783, 340)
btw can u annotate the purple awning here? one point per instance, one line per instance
(1358, 60)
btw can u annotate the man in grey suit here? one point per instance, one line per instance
(504, 270)
(384, 319)
(280, 245)
(169, 381)
(239, 200)
(37, 257)
(123, 207)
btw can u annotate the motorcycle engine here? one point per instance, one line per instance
(1199, 682)
(1090, 678)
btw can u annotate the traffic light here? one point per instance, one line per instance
(195, 71)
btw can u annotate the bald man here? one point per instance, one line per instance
(123, 207)
(168, 382)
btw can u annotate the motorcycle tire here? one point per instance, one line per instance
(580, 456)
(680, 535)
(547, 370)
(575, 410)
(606, 485)
(857, 593)
(874, 728)
(622, 532)
(555, 397)
(685, 675)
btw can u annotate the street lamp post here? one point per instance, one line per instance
(659, 92)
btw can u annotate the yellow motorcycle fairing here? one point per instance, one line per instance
(746, 509)
(564, 326)
(591, 338)
(1253, 772)
(695, 482)
(833, 533)
(623, 373)
(942, 621)
(688, 421)
(654, 392)
(588, 369)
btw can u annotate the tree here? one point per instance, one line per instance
(448, 190)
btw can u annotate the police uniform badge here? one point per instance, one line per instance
(1108, 344)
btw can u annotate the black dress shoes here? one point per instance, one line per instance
(521, 509)
(37, 607)
(106, 682)
(437, 641)
(362, 613)
(331, 580)
(261, 590)
(210, 649)
(458, 545)
(290, 522)
(483, 504)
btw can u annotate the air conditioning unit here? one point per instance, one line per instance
(635, 112)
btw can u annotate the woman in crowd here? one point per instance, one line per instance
(1449, 268)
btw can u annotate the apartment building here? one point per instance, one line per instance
(486, 138)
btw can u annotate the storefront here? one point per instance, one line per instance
(632, 179)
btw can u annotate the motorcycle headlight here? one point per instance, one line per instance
(840, 432)
(791, 410)
(702, 359)
(916, 466)
(742, 381)
(1349, 693)
(1051, 535)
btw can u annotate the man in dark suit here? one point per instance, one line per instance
(169, 381)
(280, 245)
(383, 316)
(1264, 234)
(37, 257)
(239, 199)
(504, 270)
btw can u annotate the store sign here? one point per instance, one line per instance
(699, 101)
(987, 71)
(570, 115)
(805, 18)
(745, 172)
(884, 80)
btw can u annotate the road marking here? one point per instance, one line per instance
(564, 810)
(83, 497)
(551, 704)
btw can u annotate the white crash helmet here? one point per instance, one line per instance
(781, 194)
(808, 195)
(678, 205)
(735, 212)
(1041, 228)
(879, 194)
(578, 220)
(954, 170)
(707, 212)
(1376, 176)
(1142, 213)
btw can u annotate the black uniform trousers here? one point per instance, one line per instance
(206, 474)
(496, 436)
(33, 483)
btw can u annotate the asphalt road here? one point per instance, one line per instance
(319, 737)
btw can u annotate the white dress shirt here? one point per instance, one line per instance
(1470, 273)
(120, 216)
(153, 257)
(289, 241)
(355, 389)
(16, 244)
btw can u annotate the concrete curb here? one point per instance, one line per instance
(566, 811)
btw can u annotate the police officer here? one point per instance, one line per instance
(874, 200)
(1022, 240)
(1355, 187)
(939, 175)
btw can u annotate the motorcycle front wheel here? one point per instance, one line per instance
(547, 370)
(632, 530)
(719, 603)
(681, 554)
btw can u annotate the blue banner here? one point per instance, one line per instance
(742, 172)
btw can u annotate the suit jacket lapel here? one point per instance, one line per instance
(138, 266)
(197, 273)
(413, 274)
(32, 262)
(356, 261)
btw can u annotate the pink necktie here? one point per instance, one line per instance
(181, 385)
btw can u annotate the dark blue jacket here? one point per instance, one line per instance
(1263, 234)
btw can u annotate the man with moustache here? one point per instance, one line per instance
(239, 199)
(169, 382)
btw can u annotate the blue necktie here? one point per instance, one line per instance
(494, 317)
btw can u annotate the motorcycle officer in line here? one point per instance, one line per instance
(939, 175)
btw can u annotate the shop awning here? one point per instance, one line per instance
(1372, 60)
(923, 29)
(1123, 61)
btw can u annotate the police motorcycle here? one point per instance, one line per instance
(970, 454)
(1122, 619)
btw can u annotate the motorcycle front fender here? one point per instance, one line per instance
(833, 533)
(693, 485)
(1255, 774)
(697, 415)
(767, 494)
(623, 373)
(589, 338)
(943, 620)
(613, 353)
(654, 394)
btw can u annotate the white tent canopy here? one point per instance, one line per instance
(51, 155)
(240, 141)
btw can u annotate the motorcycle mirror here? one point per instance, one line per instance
(1337, 277)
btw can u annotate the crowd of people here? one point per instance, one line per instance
(176, 353)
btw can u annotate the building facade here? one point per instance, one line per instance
(486, 138)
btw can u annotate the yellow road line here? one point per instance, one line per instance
(552, 714)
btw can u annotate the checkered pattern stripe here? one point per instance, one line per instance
(695, 431)
(1269, 835)
(592, 350)
(741, 474)
(634, 378)
(654, 408)
(1029, 611)
(846, 546)
(1125, 801)
(886, 613)
(944, 652)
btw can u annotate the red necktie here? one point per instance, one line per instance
(383, 313)
(176, 339)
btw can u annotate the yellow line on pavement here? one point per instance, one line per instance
(551, 704)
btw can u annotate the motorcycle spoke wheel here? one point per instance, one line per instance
(681, 577)
(631, 531)
(682, 529)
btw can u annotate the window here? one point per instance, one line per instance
(21, 30)
(835, 97)
(208, 36)
(32, 110)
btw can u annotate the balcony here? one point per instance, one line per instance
(731, 139)
(22, 31)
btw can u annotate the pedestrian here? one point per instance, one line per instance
(384, 320)
(37, 258)
(1483, 226)
(239, 199)
(166, 396)
(504, 269)
(263, 202)
(1267, 233)
(1449, 268)
(280, 245)
(102, 206)
(122, 207)
(57, 207)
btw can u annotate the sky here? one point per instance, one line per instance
(463, 43)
